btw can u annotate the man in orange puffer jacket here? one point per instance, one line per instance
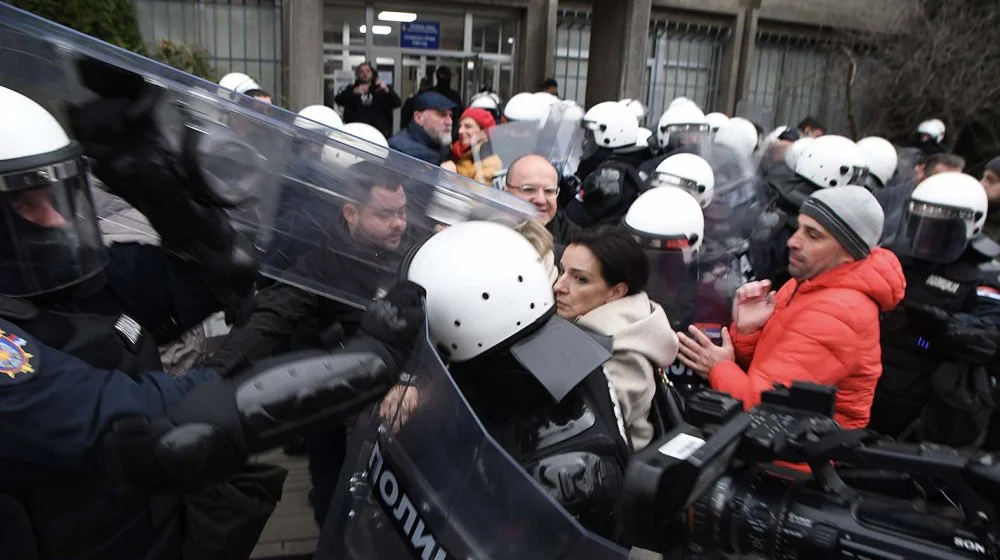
(822, 326)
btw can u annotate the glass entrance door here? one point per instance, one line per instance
(463, 76)
(476, 44)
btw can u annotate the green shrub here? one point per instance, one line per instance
(191, 60)
(113, 21)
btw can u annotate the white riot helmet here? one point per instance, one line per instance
(51, 236)
(795, 150)
(933, 128)
(488, 101)
(688, 172)
(523, 107)
(678, 101)
(485, 101)
(831, 161)
(946, 212)
(716, 120)
(680, 122)
(772, 138)
(361, 136)
(366, 132)
(667, 219)
(611, 125)
(636, 106)
(641, 142)
(478, 299)
(740, 135)
(238, 82)
(318, 117)
(881, 158)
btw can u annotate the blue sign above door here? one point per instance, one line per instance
(420, 35)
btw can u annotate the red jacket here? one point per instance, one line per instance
(824, 330)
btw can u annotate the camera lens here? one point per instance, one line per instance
(759, 513)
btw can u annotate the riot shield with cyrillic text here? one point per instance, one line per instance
(423, 479)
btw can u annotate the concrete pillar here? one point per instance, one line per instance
(537, 45)
(729, 79)
(302, 61)
(749, 50)
(618, 35)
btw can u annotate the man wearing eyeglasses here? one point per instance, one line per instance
(533, 179)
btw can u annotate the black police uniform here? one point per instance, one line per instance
(606, 194)
(90, 358)
(935, 381)
(582, 465)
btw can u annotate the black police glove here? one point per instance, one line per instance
(966, 337)
(396, 320)
(132, 157)
(971, 344)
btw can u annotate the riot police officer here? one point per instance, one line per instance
(939, 346)
(609, 181)
(93, 430)
(881, 159)
(492, 316)
(688, 283)
(682, 128)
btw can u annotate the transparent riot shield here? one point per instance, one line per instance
(331, 214)
(758, 113)
(558, 138)
(511, 141)
(423, 479)
(561, 137)
(695, 289)
(738, 200)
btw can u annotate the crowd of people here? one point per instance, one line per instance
(707, 252)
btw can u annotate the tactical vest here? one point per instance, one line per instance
(586, 425)
(910, 352)
(85, 516)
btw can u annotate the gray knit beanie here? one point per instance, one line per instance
(994, 165)
(851, 214)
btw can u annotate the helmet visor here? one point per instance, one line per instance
(935, 233)
(680, 135)
(51, 236)
(687, 185)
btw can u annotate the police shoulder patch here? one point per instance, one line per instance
(18, 354)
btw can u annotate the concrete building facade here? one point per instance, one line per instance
(759, 57)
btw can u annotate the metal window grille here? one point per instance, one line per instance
(239, 35)
(572, 53)
(796, 77)
(684, 59)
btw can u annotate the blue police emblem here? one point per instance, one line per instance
(13, 359)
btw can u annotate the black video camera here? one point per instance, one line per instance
(713, 484)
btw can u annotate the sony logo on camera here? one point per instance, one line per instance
(970, 545)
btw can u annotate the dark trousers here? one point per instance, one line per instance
(326, 453)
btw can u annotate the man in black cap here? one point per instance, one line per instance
(429, 136)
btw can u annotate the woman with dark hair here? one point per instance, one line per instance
(603, 273)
